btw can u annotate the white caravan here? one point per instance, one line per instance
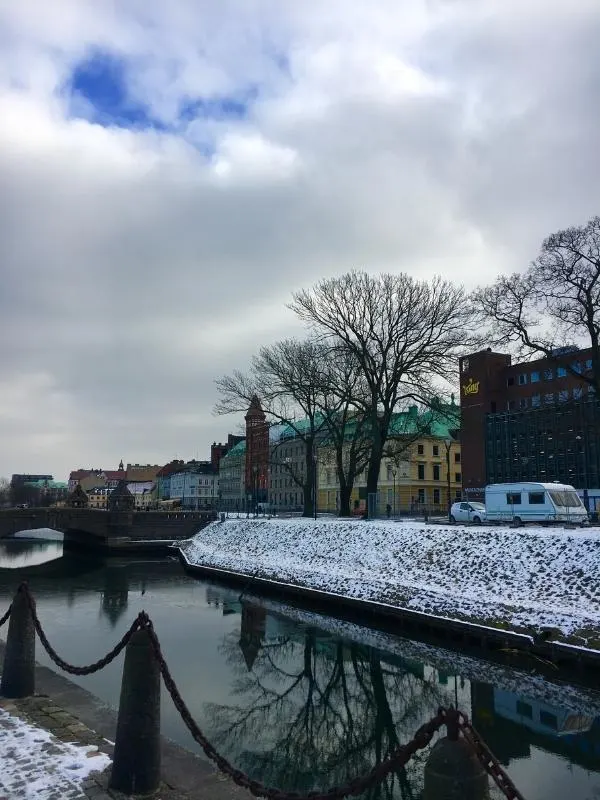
(534, 502)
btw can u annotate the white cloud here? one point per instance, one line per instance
(138, 265)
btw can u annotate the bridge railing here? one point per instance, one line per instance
(459, 760)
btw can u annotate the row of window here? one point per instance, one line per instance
(578, 367)
(548, 399)
(437, 497)
(436, 473)
(436, 452)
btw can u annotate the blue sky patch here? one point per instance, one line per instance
(100, 80)
(234, 106)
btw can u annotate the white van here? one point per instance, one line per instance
(534, 502)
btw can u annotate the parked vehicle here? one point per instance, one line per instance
(467, 512)
(534, 502)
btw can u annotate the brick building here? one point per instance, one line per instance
(257, 453)
(537, 421)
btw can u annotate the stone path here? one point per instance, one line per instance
(48, 754)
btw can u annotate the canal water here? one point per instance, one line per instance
(300, 700)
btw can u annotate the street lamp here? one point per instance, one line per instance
(255, 488)
(578, 439)
(394, 477)
(448, 444)
(314, 456)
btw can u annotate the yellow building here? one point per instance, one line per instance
(417, 472)
(98, 497)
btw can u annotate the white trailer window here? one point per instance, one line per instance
(513, 498)
(536, 498)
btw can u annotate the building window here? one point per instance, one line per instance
(563, 396)
(535, 377)
(436, 472)
(536, 400)
(576, 367)
(436, 450)
(421, 495)
(420, 449)
(548, 375)
(421, 472)
(549, 399)
(561, 372)
(511, 405)
(588, 365)
(457, 458)
(523, 402)
(436, 497)
(457, 477)
(513, 498)
(465, 364)
(577, 393)
(522, 379)
(536, 498)
(510, 381)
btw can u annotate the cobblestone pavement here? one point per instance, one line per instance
(33, 777)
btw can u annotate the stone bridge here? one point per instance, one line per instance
(118, 531)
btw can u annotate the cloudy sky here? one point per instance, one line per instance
(171, 171)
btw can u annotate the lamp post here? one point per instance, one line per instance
(314, 455)
(394, 477)
(579, 439)
(255, 488)
(448, 444)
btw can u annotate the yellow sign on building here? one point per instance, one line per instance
(471, 387)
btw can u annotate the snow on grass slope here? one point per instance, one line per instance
(524, 578)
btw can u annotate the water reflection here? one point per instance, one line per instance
(20, 553)
(310, 712)
(304, 701)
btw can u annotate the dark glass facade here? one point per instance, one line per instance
(556, 442)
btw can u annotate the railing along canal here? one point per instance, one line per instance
(461, 758)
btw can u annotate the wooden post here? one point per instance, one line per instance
(136, 761)
(18, 671)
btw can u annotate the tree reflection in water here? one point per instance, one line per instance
(312, 713)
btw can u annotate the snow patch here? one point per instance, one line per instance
(526, 577)
(37, 764)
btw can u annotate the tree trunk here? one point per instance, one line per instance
(309, 485)
(375, 461)
(345, 497)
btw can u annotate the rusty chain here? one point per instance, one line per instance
(139, 622)
(454, 720)
(6, 617)
(488, 760)
(356, 786)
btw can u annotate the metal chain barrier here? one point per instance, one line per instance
(139, 622)
(488, 760)
(356, 786)
(6, 617)
(454, 720)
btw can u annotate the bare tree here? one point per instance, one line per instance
(404, 333)
(348, 438)
(555, 304)
(288, 378)
(4, 491)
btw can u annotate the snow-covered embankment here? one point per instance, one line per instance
(523, 578)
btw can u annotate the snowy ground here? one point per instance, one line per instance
(36, 764)
(525, 578)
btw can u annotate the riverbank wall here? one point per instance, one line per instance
(470, 588)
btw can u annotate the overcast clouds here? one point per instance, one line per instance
(170, 172)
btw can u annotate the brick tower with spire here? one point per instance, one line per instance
(257, 452)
